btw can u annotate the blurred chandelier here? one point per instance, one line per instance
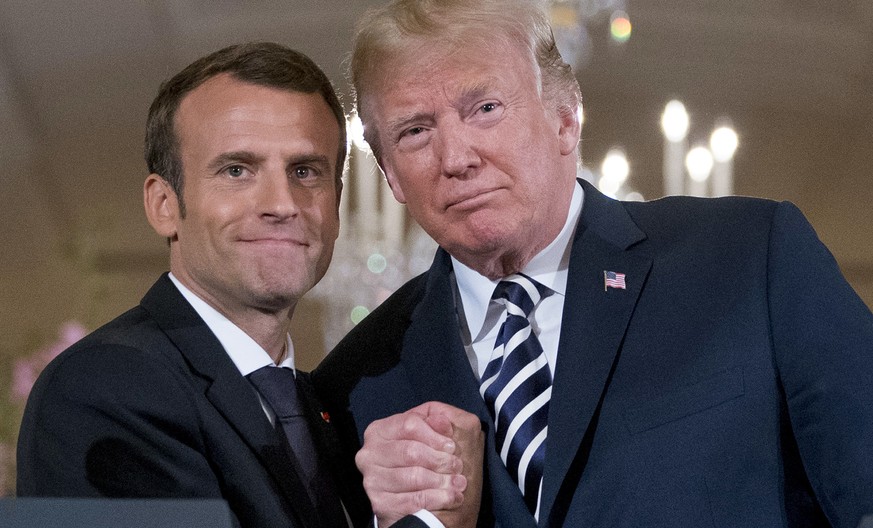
(574, 20)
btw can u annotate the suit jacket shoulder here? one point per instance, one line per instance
(372, 347)
(150, 405)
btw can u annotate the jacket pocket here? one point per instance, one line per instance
(685, 401)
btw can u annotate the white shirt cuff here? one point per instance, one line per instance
(424, 516)
(429, 519)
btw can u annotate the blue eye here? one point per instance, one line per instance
(303, 172)
(235, 171)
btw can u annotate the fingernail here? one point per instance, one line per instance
(459, 481)
(449, 446)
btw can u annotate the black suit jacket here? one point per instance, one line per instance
(729, 384)
(151, 405)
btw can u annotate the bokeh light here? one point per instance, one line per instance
(723, 142)
(613, 172)
(699, 163)
(358, 314)
(675, 121)
(620, 27)
(376, 263)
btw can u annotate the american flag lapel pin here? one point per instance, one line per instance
(612, 279)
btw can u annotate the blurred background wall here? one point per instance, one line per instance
(794, 78)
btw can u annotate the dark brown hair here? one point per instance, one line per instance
(260, 63)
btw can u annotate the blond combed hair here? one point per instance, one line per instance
(385, 32)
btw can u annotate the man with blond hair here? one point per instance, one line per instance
(682, 362)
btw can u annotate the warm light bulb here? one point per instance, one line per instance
(675, 121)
(615, 166)
(723, 142)
(608, 186)
(699, 163)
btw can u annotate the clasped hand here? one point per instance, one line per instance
(427, 458)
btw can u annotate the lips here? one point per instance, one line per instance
(471, 199)
(274, 241)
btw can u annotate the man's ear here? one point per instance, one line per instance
(392, 181)
(569, 129)
(161, 206)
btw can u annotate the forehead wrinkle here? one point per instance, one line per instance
(469, 92)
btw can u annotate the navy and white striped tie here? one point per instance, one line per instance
(517, 386)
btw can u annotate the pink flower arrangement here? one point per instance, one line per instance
(26, 370)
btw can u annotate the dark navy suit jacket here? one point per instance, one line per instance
(150, 405)
(729, 385)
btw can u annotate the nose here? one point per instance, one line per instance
(458, 154)
(275, 196)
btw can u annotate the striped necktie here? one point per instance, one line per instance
(517, 386)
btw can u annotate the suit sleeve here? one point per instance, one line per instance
(823, 345)
(110, 421)
(410, 521)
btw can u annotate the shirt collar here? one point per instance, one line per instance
(548, 267)
(246, 354)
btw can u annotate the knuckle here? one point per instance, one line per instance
(364, 461)
(369, 432)
(420, 478)
(409, 451)
(368, 483)
(409, 425)
(412, 478)
(419, 500)
(371, 485)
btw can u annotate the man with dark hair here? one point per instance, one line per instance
(681, 362)
(194, 393)
(261, 64)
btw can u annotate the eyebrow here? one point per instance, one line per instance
(310, 159)
(245, 156)
(466, 96)
(473, 92)
(397, 124)
(237, 156)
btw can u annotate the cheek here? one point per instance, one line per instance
(425, 188)
(323, 218)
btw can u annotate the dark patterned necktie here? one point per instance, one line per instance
(279, 388)
(517, 386)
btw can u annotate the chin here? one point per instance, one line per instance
(278, 296)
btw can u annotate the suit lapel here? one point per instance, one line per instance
(433, 353)
(342, 465)
(437, 365)
(593, 325)
(228, 391)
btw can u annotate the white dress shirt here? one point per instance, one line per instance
(480, 318)
(249, 356)
(246, 354)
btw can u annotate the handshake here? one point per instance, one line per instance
(427, 458)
